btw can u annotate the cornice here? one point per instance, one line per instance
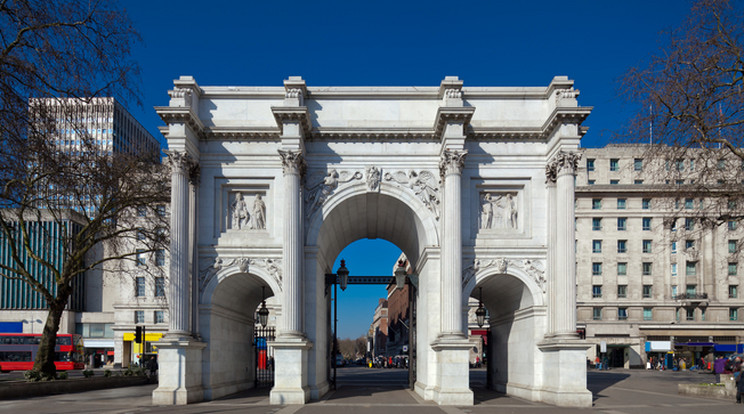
(564, 115)
(180, 114)
(412, 134)
(270, 133)
(451, 113)
(293, 113)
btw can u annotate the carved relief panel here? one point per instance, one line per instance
(247, 211)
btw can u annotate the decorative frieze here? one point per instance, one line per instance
(423, 184)
(498, 210)
(271, 266)
(535, 269)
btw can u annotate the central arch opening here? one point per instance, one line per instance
(359, 220)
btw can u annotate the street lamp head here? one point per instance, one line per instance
(263, 315)
(480, 315)
(400, 274)
(343, 275)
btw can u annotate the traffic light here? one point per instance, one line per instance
(138, 335)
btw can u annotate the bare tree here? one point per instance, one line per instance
(61, 188)
(691, 107)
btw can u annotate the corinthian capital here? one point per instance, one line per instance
(452, 162)
(563, 163)
(180, 162)
(292, 162)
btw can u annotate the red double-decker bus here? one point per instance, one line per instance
(18, 351)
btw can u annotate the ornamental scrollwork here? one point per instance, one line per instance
(318, 193)
(424, 185)
(535, 269)
(272, 266)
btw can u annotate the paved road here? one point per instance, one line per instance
(372, 391)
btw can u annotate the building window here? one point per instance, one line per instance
(646, 266)
(597, 291)
(622, 291)
(141, 259)
(721, 164)
(638, 182)
(646, 221)
(622, 268)
(689, 224)
(621, 204)
(614, 164)
(679, 164)
(733, 290)
(674, 247)
(674, 291)
(596, 269)
(596, 224)
(590, 164)
(702, 314)
(638, 164)
(159, 316)
(732, 225)
(141, 235)
(596, 203)
(622, 313)
(732, 246)
(673, 226)
(590, 182)
(622, 246)
(614, 182)
(690, 314)
(691, 290)
(596, 246)
(648, 314)
(689, 204)
(647, 291)
(733, 268)
(160, 257)
(160, 210)
(733, 314)
(646, 204)
(142, 211)
(139, 290)
(689, 244)
(647, 246)
(691, 268)
(139, 316)
(674, 269)
(159, 286)
(597, 314)
(622, 223)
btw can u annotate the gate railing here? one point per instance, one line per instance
(264, 355)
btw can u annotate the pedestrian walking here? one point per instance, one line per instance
(739, 385)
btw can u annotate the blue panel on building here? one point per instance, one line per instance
(11, 327)
(726, 347)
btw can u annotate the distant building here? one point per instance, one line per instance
(657, 275)
(379, 328)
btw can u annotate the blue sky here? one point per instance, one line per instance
(399, 43)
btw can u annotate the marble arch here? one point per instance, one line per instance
(274, 181)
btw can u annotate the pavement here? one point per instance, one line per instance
(370, 391)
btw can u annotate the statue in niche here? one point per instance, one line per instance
(499, 210)
(240, 215)
(258, 218)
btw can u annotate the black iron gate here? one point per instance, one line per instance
(264, 355)
(411, 336)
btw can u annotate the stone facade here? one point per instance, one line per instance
(654, 268)
(421, 167)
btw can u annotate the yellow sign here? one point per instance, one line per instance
(149, 337)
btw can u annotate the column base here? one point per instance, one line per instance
(290, 372)
(180, 372)
(453, 370)
(565, 365)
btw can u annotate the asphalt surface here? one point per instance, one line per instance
(372, 391)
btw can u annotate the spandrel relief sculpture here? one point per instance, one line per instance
(318, 193)
(243, 218)
(499, 210)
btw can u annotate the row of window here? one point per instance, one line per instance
(689, 204)
(622, 223)
(690, 291)
(139, 290)
(646, 268)
(158, 316)
(679, 164)
(622, 246)
(159, 257)
(648, 315)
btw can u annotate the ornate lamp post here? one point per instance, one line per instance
(263, 313)
(480, 313)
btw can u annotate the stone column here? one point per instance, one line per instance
(291, 324)
(562, 170)
(178, 292)
(451, 166)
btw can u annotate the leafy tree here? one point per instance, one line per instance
(76, 195)
(691, 106)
